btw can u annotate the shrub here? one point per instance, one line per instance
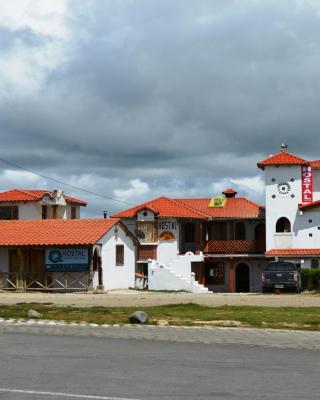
(310, 279)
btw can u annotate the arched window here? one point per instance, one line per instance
(167, 235)
(283, 225)
(240, 233)
(314, 263)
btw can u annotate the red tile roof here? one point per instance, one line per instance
(309, 205)
(33, 195)
(234, 207)
(282, 158)
(163, 207)
(54, 232)
(293, 252)
(315, 164)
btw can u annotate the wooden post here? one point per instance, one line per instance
(231, 276)
(202, 276)
(197, 236)
(90, 283)
(20, 281)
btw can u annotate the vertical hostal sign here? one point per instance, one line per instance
(306, 184)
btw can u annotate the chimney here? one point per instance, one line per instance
(228, 193)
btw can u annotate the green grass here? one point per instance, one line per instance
(307, 318)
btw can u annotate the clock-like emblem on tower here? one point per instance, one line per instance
(283, 188)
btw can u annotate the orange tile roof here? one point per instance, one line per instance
(163, 207)
(309, 205)
(54, 232)
(234, 207)
(315, 164)
(34, 195)
(282, 158)
(293, 252)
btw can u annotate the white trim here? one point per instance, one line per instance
(61, 394)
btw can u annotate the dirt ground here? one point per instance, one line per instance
(127, 298)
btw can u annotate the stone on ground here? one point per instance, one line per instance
(162, 322)
(138, 317)
(34, 314)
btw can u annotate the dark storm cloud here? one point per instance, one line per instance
(178, 94)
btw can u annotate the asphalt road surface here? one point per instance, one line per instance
(78, 367)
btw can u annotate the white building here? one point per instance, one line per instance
(199, 244)
(292, 208)
(38, 204)
(66, 254)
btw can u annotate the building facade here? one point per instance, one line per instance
(26, 204)
(292, 208)
(66, 254)
(199, 245)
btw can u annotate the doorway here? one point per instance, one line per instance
(242, 278)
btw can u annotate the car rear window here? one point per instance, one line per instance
(280, 266)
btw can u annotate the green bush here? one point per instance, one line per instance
(310, 279)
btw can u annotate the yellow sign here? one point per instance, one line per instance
(217, 201)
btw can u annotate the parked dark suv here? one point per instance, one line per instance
(281, 275)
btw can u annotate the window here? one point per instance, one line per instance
(189, 232)
(54, 212)
(240, 233)
(314, 263)
(147, 232)
(119, 255)
(218, 231)
(9, 212)
(73, 212)
(167, 235)
(283, 225)
(215, 274)
(44, 212)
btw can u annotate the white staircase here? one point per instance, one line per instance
(167, 277)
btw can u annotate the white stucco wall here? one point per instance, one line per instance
(168, 249)
(316, 184)
(145, 215)
(117, 277)
(281, 206)
(33, 210)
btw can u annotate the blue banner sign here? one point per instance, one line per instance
(67, 260)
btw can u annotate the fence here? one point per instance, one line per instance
(45, 281)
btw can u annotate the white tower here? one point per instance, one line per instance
(292, 207)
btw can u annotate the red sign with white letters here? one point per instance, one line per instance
(306, 184)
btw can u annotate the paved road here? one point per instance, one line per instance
(55, 367)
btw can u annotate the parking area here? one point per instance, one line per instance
(134, 298)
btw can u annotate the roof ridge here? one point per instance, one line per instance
(25, 191)
(292, 159)
(140, 206)
(190, 208)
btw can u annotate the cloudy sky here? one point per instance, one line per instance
(134, 99)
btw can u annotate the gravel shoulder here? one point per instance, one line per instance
(132, 298)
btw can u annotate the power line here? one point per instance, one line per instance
(63, 183)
